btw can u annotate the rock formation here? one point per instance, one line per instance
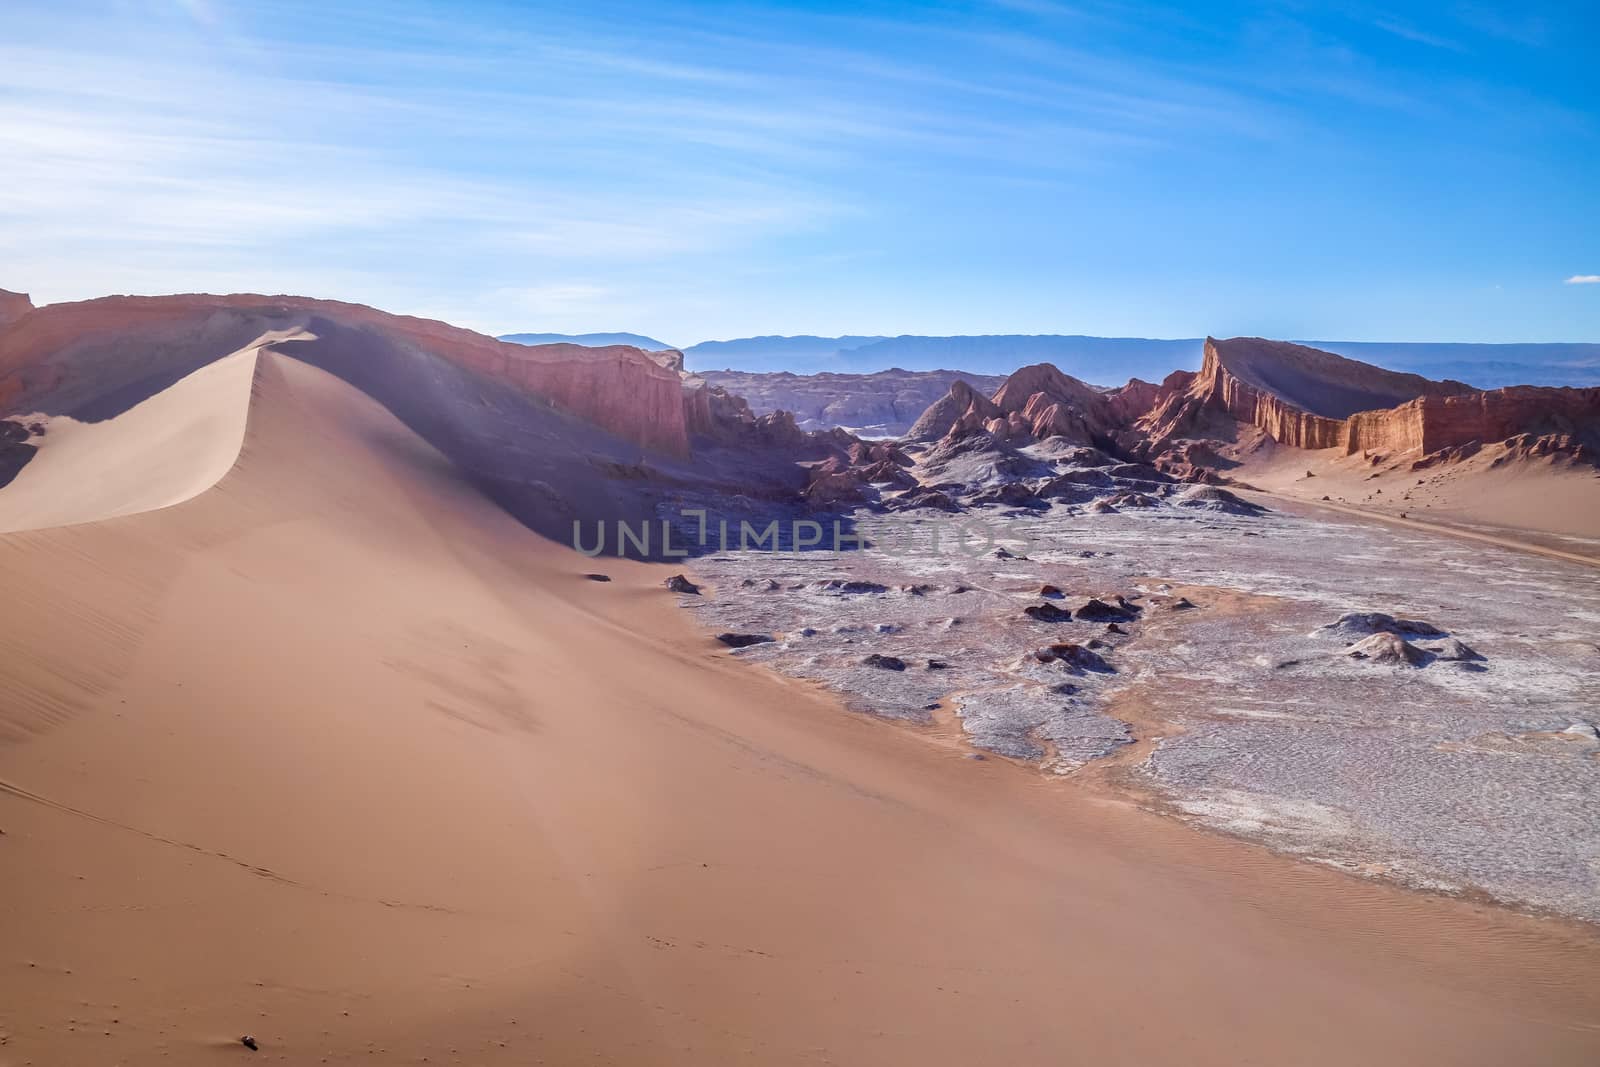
(1040, 402)
(884, 404)
(1387, 648)
(1356, 624)
(1249, 389)
(1306, 398)
(942, 415)
(858, 473)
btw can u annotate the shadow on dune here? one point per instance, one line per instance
(547, 467)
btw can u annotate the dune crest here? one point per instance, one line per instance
(164, 450)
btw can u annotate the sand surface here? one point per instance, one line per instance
(162, 451)
(338, 755)
(1535, 502)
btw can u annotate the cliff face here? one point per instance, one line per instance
(1298, 396)
(1219, 386)
(1499, 414)
(1234, 382)
(13, 306)
(88, 357)
(1316, 382)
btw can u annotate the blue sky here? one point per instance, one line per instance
(1360, 171)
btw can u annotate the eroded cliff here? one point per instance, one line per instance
(1250, 387)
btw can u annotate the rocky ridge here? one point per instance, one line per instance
(1250, 388)
(1309, 399)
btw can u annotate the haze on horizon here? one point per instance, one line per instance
(1359, 171)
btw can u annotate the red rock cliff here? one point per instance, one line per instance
(1306, 398)
(13, 306)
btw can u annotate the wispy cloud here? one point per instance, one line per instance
(593, 163)
(1584, 279)
(1411, 33)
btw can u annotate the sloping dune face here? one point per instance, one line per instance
(162, 451)
(338, 755)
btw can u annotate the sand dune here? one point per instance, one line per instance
(337, 754)
(1540, 502)
(161, 451)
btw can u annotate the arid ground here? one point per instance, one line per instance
(337, 755)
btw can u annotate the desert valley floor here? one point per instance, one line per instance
(304, 737)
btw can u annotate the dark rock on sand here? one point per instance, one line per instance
(1072, 655)
(1361, 623)
(842, 585)
(733, 640)
(679, 584)
(598, 577)
(1047, 613)
(887, 663)
(1097, 610)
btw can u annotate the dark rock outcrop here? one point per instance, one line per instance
(1097, 610)
(1078, 657)
(1356, 624)
(733, 640)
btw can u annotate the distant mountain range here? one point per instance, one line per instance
(1481, 365)
(589, 340)
(1106, 361)
(801, 355)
